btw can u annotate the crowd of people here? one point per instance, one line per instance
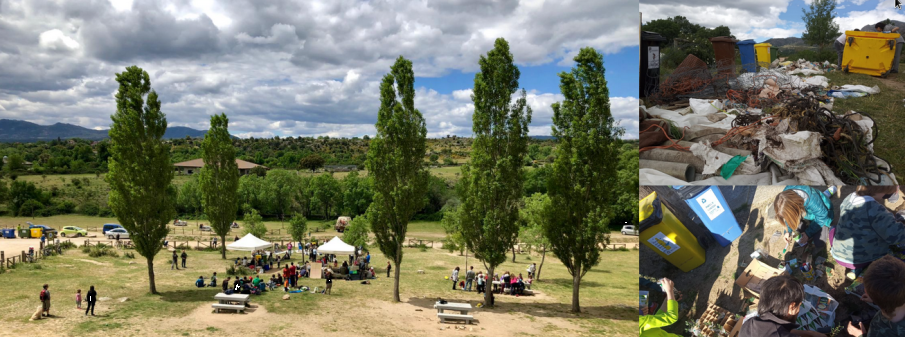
(508, 283)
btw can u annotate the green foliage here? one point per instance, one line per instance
(189, 198)
(492, 181)
(448, 161)
(129, 255)
(141, 193)
(357, 194)
(454, 241)
(580, 185)
(395, 163)
(233, 270)
(31, 208)
(15, 162)
(219, 178)
(820, 30)
(100, 250)
(312, 162)
(434, 158)
(258, 171)
(536, 180)
(627, 195)
(692, 38)
(253, 224)
(21, 192)
(438, 195)
(327, 193)
(356, 232)
(279, 187)
(298, 227)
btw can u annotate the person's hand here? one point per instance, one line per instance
(855, 330)
(787, 236)
(866, 298)
(645, 311)
(668, 287)
(804, 238)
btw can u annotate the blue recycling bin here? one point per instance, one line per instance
(708, 203)
(749, 58)
(9, 233)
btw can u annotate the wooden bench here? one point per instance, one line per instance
(444, 317)
(236, 307)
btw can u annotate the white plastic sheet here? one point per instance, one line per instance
(689, 120)
(705, 106)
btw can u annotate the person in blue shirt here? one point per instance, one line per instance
(200, 282)
(797, 203)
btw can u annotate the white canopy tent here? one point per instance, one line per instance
(336, 246)
(249, 243)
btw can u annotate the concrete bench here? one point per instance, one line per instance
(237, 308)
(444, 317)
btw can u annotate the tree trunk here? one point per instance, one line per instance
(542, 257)
(488, 289)
(576, 283)
(513, 253)
(396, 283)
(223, 245)
(151, 275)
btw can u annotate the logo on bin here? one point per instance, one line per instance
(663, 243)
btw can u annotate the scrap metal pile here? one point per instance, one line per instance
(710, 126)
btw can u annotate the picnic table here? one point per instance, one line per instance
(229, 299)
(235, 302)
(462, 308)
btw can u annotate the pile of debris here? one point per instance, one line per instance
(769, 127)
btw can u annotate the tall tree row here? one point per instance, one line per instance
(395, 161)
(219, 178)
(491, 184)
(583, 185)
(140, 173)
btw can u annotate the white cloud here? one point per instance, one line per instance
(55, 40)
(858, 19)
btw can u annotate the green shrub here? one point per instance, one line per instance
(238, 271)
(89, 208)
(129, 255)
(67, 245)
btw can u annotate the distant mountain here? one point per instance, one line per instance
(22, 131)
(786, 42)
(181, 132)
(543, 137)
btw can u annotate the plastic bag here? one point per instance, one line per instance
(705, 107)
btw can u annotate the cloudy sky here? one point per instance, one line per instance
(764, 19)
(300, 67)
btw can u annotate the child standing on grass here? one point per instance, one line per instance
(78, 299)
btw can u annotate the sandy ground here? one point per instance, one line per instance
(714, 281)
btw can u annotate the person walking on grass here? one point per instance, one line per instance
(389, 267)
(78, 299)
(45, 300)
(92, 298)
(175, 261)
(329, 278)
(480, 282)
(455, 277)
(184, 256)
(469, 278)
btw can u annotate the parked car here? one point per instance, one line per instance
(123, 234)
(73, 231)
(46, 229)
(109, 226)
(180, 223)
(629, 230)
(206, 228)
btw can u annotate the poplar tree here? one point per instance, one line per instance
(491, 184)
(219, 178)
(583, 184)
(395, 162)
(140, 172)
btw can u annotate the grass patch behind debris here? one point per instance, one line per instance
(886, 108)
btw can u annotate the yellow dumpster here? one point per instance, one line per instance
(37, 232)
(869, 53)
(763, 54)
(662, 232)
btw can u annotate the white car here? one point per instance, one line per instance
(123, 234)
(629, 230)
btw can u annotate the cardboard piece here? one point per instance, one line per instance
(755, 274)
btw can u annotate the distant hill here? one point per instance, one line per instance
(786, 42)
(22, 131)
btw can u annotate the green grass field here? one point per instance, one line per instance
(885, 108)
(607, 297)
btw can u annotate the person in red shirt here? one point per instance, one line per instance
(292, 274)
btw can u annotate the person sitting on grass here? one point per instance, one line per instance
(884, 285)
(780, 301)
(214, 280)
(650, 324)
(273, 282)
(797, 203)
(225, 285)
(866, 229)
(256, 281)
(200, 282)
